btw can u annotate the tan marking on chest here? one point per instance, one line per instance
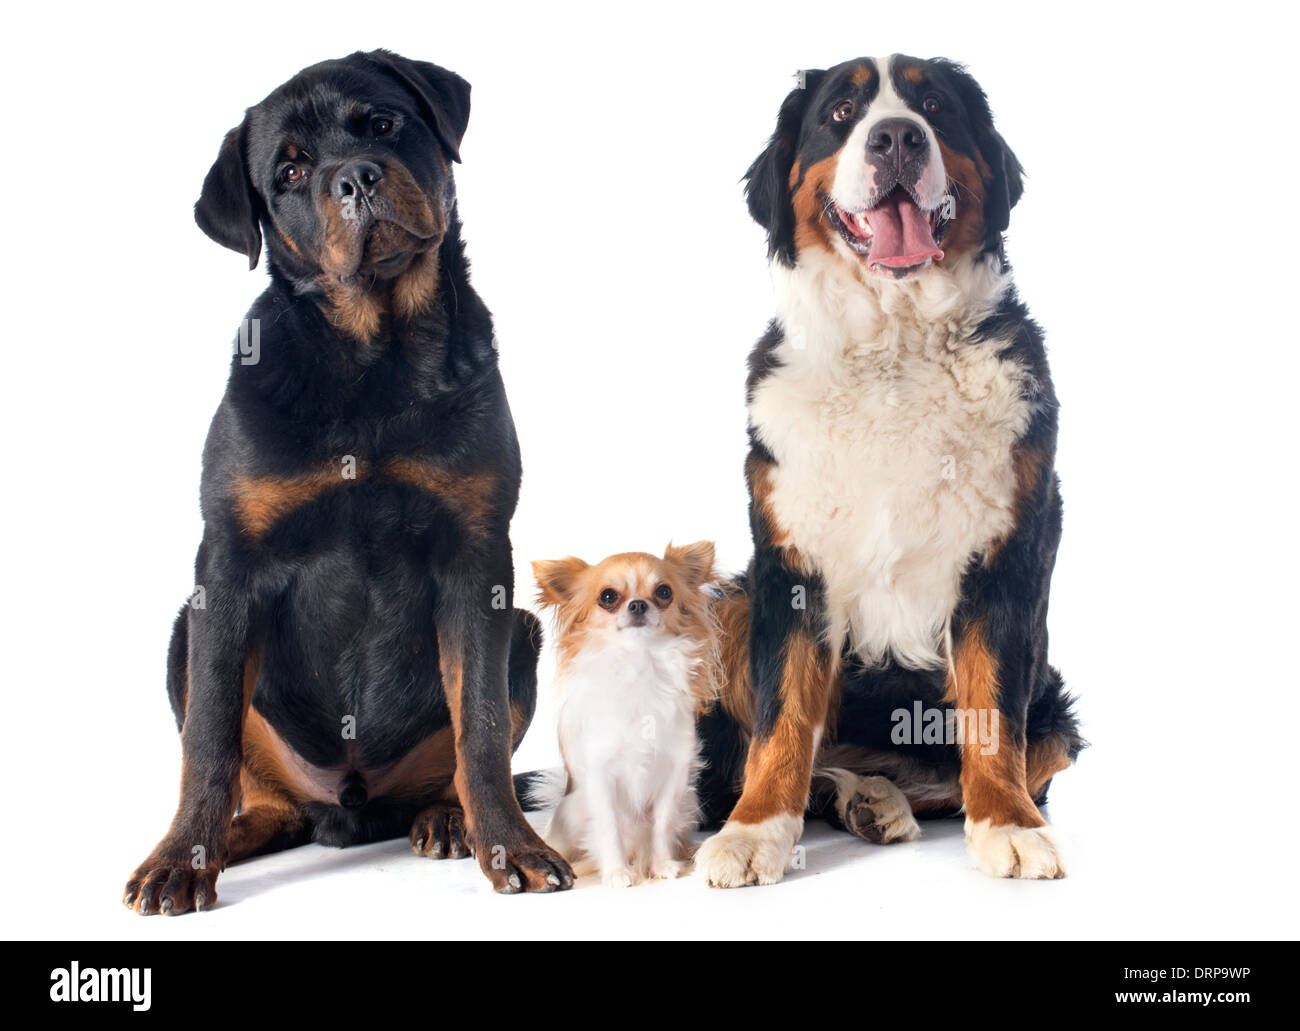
(471, 496)
(261, 502)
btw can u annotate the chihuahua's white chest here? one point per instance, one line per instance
(893, 440)
(627, 714)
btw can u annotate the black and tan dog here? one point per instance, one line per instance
(888, 645)
(351, 666)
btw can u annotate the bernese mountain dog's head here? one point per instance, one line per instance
(891, 163)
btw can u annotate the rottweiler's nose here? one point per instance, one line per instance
(899, 139)
(637, 607)
(355, 180)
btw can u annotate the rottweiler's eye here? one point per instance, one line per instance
(663, 593)
(843, 111)
(608, 598)
(381, 126)
(293, 173)
(932, 104)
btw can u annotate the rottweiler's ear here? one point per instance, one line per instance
(443, 96)
(767, 183)
(227, 209)
(555, 579)
(695, 560)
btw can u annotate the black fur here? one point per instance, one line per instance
(355, 596)
(1009, 593)
(805, 133)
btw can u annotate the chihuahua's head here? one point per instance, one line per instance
(632, 593)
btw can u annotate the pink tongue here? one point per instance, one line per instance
(902, 236)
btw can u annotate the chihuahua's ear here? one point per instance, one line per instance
(228, 209)
(555, 578)
(695, 560)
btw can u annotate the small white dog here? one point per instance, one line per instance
(635, 663)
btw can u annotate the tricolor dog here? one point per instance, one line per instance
(352, 667)
(903, 498)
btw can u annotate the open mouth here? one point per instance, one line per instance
(895, 236)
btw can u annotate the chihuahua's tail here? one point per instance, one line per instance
(540, 789)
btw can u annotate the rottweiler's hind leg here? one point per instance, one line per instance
(439, 832)
(267, 822)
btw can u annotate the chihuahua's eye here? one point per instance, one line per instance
(843, 111)
(293, 174)
(663, 594)
(608, 598)
(381, 126)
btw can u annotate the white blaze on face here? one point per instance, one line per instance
(855, 177)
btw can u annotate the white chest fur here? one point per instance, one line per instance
(893, 434)
(627, 713)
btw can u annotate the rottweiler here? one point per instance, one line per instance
(351, 666)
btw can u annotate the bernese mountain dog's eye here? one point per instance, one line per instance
(291, 174)
(609, 598)
(381, 126)
(663, 594)
(932, 105)
(843, 111)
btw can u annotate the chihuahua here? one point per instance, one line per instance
(636, 661)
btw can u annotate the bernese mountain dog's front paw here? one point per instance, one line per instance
(1027, 853)
(749, 853)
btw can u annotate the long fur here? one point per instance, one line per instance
(629, 696)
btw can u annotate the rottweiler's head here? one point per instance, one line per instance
(889, 163)
(345, 173)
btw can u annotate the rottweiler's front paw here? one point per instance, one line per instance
(170, 882)
(439, 833)
(530, 865)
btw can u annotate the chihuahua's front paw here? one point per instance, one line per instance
(173, 880)
(745, 853)
(619, 877)
(669, 869)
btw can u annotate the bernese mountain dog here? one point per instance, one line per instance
(886, 650)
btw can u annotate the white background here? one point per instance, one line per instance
(600, 196)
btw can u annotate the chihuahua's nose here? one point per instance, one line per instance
(637, 607)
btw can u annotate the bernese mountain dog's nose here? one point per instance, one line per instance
(355, 180)
(899, 139)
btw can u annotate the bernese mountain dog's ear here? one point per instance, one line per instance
(1006, 182)
(228, 209)
(767, 183)
(443, 96)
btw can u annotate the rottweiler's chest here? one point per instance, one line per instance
(365, 495)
